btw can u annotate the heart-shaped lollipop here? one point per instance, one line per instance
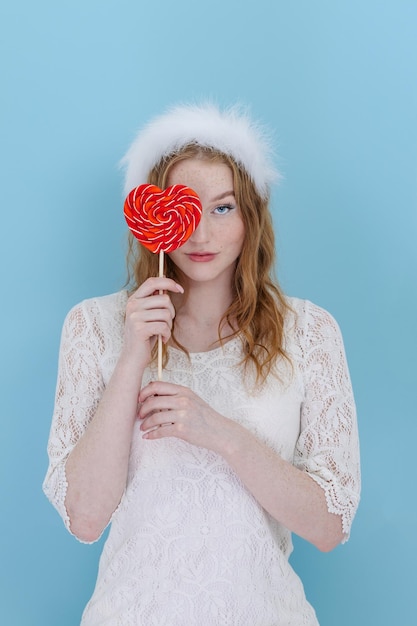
(162, 220)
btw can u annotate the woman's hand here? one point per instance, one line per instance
(149, 313)
(169, 410)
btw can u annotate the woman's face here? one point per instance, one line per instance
(211, 252)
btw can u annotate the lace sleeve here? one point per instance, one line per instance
(78, 391)
(328, 447)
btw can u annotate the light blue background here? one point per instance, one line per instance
(338, 83)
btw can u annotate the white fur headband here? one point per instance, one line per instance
(230, 132)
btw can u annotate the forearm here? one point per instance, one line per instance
(289, 494)
(96, 469)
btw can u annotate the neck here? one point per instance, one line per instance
(198, 315)
(204, 301)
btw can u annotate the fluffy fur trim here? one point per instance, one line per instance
(231, 132)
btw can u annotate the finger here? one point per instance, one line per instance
(157, 419)
(158, 432)
(150, 322)
(156, 329)
(155, 315)
(160, 388)
(150, 303)
(156, 284)
(156, 404)
(155, 301)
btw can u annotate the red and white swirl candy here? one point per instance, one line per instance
(162, 220)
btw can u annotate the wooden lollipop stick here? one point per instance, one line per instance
(161, 273)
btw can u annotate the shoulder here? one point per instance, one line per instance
(309, 325)
(98, 310)
(304, 312)
(111, 303)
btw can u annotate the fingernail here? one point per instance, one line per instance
(180, 289)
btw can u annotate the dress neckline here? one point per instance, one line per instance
(225, 347)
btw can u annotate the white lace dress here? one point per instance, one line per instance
(188, 544)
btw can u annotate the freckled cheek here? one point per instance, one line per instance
(239, 237)
(234, 233)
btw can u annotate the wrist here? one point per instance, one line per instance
(134, 358)
(234, 441)
(129, 369)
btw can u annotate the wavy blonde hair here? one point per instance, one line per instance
(258, 310)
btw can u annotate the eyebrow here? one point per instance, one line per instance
(223, 195)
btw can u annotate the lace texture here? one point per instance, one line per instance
(188, 543)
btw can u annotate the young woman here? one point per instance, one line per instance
(250, 436)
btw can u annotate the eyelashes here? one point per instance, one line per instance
(223, 209)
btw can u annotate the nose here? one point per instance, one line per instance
(201, 234)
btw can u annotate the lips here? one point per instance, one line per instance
(201, 257)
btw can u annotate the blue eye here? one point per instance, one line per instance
(223, 209)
